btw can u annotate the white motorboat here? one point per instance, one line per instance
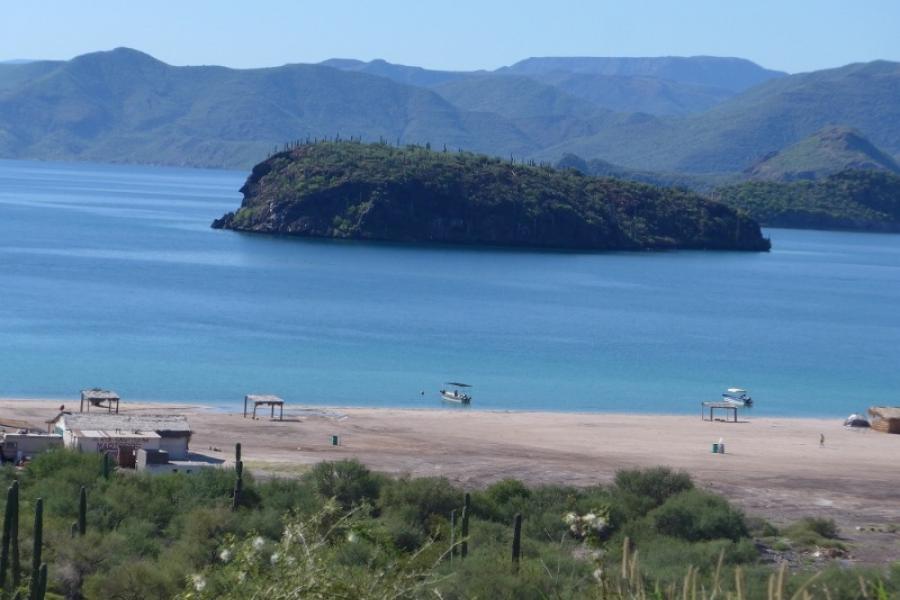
(456, 394)
(738, 396)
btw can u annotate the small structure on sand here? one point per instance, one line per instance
(110, 433)
(885, 419)
(723, 406)
(258, 400)
(99, 399)
(15, 446)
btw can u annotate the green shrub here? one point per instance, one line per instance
(347, 481)
(760, 527)
(826, 528)
(419, 499)
(696, 516)
(654, 485)
(810, 531)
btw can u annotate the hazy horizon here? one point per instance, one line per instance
(802, 36)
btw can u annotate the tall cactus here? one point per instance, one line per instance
(42, 582)
(464, 533)
(106, 469)
(14, 538)
(7, 525)
(238, 485)
(37, 549)
(517, 541)
(82, 511)
(452, 534)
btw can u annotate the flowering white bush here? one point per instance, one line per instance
(591, 526)
(301, 565)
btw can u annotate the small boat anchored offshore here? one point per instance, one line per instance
(738, 397)
(456, 395)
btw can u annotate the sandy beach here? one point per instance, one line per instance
(774, 467)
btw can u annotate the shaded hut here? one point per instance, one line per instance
(257, 400)
(99, 399)
(885, 419)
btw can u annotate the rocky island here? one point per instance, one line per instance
(353, 190)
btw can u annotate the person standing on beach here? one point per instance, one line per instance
(821, 440)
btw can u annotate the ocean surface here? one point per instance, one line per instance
(110, 276)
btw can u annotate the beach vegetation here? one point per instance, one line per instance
(340, 530)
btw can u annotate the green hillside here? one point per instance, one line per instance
(860, 200)
(626, 94)
(408, 75)
(546, 114)
(652, 86)
(766, 118)
(597, 167)
(379, 192)
(126, 106)
(829, 151)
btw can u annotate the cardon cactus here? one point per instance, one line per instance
(37, 549)
(82, 511)
(464, 533)
(517, 541)
(238, 485)
(42, 582)
(14, 538)
(7, 526)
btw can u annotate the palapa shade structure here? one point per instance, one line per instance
(885, 419)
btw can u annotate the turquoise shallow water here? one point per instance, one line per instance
(112, 277)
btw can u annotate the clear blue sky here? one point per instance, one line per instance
(792, 35)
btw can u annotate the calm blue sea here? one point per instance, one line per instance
(110, 276)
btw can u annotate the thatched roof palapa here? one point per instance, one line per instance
(885, 419)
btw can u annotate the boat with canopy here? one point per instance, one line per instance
(456, 393)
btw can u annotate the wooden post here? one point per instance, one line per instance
(245, 407)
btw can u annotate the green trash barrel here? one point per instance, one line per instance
(334, 440)
(715, 448)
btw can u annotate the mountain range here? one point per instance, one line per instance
(697, 117)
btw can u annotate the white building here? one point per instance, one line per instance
(100, 432)
(15, 445)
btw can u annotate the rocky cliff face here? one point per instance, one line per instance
(377, 192)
